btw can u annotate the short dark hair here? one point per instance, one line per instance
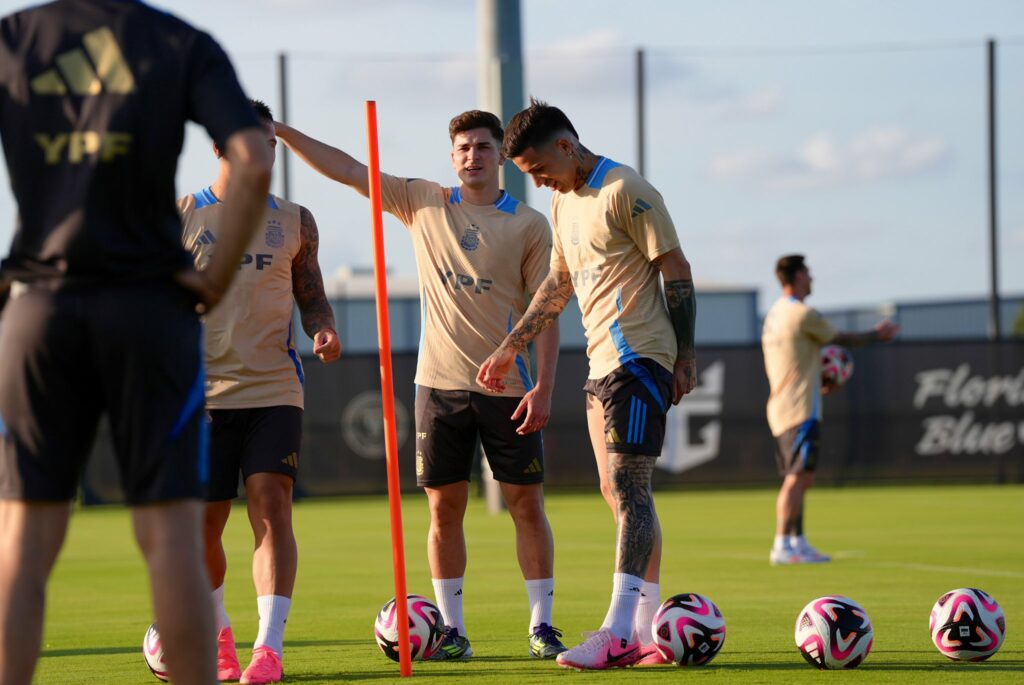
(536, 125)
(788, 267)
(475, 118)
(262, 110)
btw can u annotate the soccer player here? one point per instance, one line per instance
(613, 237)
(791, 340)
(254, 398)
(102, 314)
(479, 252)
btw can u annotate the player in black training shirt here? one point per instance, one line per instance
(101, 297)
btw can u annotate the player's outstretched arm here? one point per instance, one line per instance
(551, 298)
(308, 290)
(884, 331)
(682, 311)
(245, 200)
(329, 161)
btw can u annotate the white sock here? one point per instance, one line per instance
(797, 542)
(621, 617)
(781, 543)
(218, 607)
(273, 615)
(542, 595)
(448, 593)
(650, 602)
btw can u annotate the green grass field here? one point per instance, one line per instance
(896, 550)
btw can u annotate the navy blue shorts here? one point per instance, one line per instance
(636, 397)
(796, 450)
(69, 355)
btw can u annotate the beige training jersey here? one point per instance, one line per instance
(478, 266)
(606, 234)
(250, 345)
(792, 338)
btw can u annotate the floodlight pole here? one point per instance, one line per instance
(640, 143)
(282, 80)
(994, 324)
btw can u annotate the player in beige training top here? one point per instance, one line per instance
(480, 253)
(792, 338)
(254, 397)
(613, 238)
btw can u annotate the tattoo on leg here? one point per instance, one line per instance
(630, 479)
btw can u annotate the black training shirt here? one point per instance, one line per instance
(94, 96)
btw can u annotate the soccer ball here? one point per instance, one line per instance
(153, 653)
(836, 364)
(967, 625)
(689, 629)
(426, 628)
(834, 632)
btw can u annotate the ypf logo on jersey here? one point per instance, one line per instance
(471, 238)
(275, 234)
(680, 453)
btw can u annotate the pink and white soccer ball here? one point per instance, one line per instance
(689, 630)
(426, 628)
(834, 632)
(836, 364)
(967, 625)
(153, 652)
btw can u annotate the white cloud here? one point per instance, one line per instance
(877, 153)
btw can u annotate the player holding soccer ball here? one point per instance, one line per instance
(792, 338)
(613, 238)
(254, 398)
(479, 253)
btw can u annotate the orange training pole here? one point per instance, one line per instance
(387, 392)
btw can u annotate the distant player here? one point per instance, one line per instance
(480, 253)
(94, 96)
(254, 396)
(792, 338)
(613, 238)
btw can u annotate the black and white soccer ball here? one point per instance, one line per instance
(834, 632)
(153, 653)
(689, 630)
(967, 625)
(426, 628)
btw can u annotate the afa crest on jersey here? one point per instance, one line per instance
(275, 234)
(471, 238)
(574, 234)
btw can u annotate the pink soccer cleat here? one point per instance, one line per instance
(228, 667)
(265, 667)
(650, 656)
(599, 651)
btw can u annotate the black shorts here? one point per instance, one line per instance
(248, 441)
(796, 450)
(636, 397)
(447, 425)
(69, 355)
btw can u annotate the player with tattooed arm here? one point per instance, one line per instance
(613, 237)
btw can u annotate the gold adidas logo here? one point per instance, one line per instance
(108, 71)
(534, 467)
(292, 460)
(612, 437)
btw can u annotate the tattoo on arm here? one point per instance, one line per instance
(630, 478)
(307, 281)
(682, 311)
(547, 304)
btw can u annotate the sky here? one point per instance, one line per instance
(853, 131)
